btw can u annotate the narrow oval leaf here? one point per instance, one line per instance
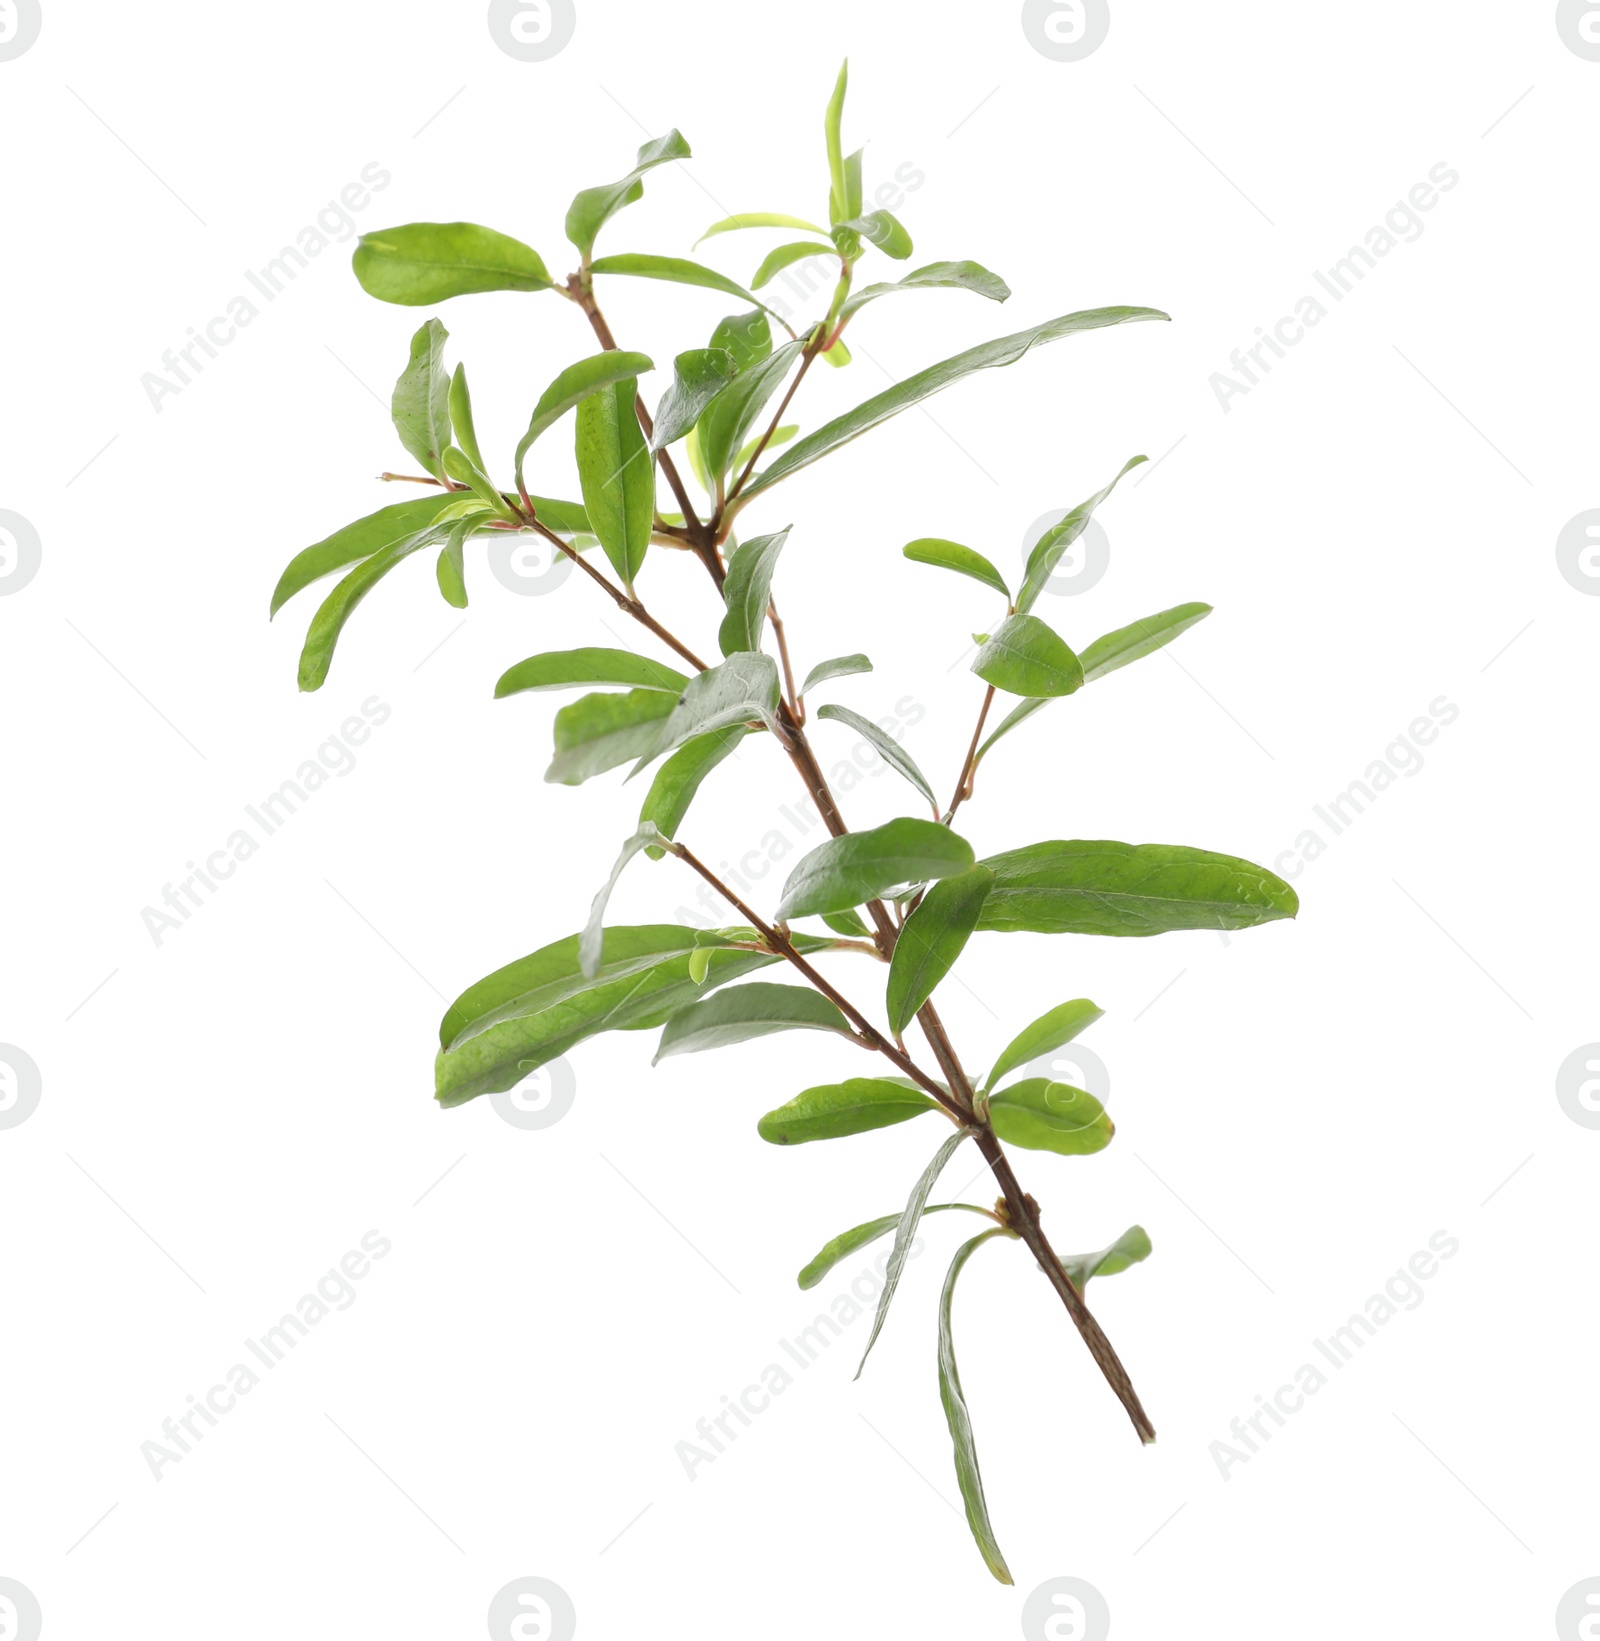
(600, 732)
(461, 421)
(937, 276)
(848, 923)
(960, 1421)
(678, 779)
(1142, 638)
(884, 231)
(1048, 1033)
(451, 572)
(743, 689)
(1042, 1115)
(859, 1236)
(421, 403)
(427, 262)
(617, 476)
(951, 555)
(1083, 887)
(780, 436)
(846, 871)
(1132, 1247)
(1006, 350)
(1017, 715)
(1048, 550)
(359, 540)
(748, 591)
(727, 424)
(931, 940)
(833, 130)
(886, 746)
(574, 385)
(675, 270)
(580, 669)
(834, 1111)
(842, 666)
(758, 219)
(1025, 657)
(698, 376)
(740, 1013)
(594, 207)
(589, 941)
(785, 255)
(460, 467)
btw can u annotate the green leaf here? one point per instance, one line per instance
(727, 424)
(741, 1013)
(834, 1111)
(676, 270)
(883, 230)
(780, 436)
(758, 219)
(599, 732)
(1006, 350)
(367, 536)
(594, 207)
(537, 1008)
(748, 591)
(1142, 638)
(842, 666)
(1025, 657)
(886, 746)
(833, 128)
(451, 572)
(574, 385)
(461, 418)
(460, 467)
(960, 1422)
(1018, 714)
(1131, 1248)
(591, 939)
(796, 251)
(617, 476)
(421, 401)
(847, 923)
(678, 779)
(905, 1231)
(578, 669)
(847, 239)
(1050, 547)
(937, 276)
(427, 262)
(698, 376)
(1102, 888)
(1042, 1115)
(951, 555)
(740, 690)
(1045, 1035)
(931, 940)
(860, 866)
(838, 355)
(747, 336)
(845, 1244)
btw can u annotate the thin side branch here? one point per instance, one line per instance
(968, 771)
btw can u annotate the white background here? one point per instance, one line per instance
(1299, 1108)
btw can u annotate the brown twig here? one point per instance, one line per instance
(968, 771)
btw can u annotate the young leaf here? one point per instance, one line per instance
(451, 572)
(676, 270)
(937, 276)
(678, 779)
(578, 669)
(427, 262)
(886, 746)
(1006, 350)
(838, 355)
(931, 940)
(747, 336)
(461, 418)
(748, 591)
(847, 1242)
(1042, 1115)
(883, 230)
(589, 942)
(727, 424)
(796, 251)
(1138, 889)
(573, 386)
(460, 467)
(422, 399)
(905, 1231)
(740, 1013)
(833, 127)
(836, 1110)
(1132, 1247)
(594, 207)
(848, 923)
(780, 436)
(698, 376)
(1048, 1033)
(367, 536)
(843, 666)
(1133, 643)
(1025, 657)
(758, 219)
(1050, 547)
(960, 1422)
(599, 732)
(951, 555)
(742, 689)
(617, 476)
(860, 866)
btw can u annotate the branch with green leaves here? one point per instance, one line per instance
(909, 895)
